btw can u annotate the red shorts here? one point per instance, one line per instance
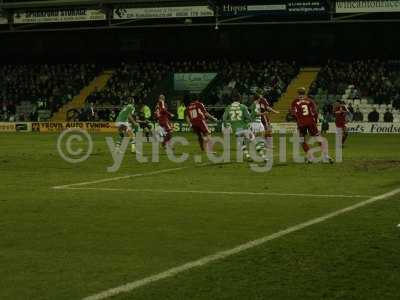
(265, 121)
(341, 125)
(167, 126)
(311, 129)
(200, 127)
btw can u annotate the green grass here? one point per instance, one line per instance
(68, 244)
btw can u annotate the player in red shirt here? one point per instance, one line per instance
(196, 115)
(265, 109)
(304, 110)
(163, 116)
(340, 119)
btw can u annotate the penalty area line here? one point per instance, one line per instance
(128, 287)
(205, 192)
(68, 186)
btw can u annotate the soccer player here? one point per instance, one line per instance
(257, 126)
(196, 115)
(304, 111)
(125, 120)
(265, 109)
(144, 120)
(340, 119)
(163, 116)
(237, 117)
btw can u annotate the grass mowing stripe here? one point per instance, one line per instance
(238, 249)
(214, 192)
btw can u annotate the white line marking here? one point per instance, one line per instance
(66, 186)
(224, 254)
(213, 192)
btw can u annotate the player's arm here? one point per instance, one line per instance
(270, 109)
(206, 113)
(246, 114)
(314, 111)
(132, 119)
(187, 118)
(209, 116)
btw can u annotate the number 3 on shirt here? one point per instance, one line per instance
(305, 110)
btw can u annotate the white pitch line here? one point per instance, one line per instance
(67, 186)
(215, 192)
(128, 287)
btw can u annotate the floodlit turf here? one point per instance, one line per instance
(69, 244)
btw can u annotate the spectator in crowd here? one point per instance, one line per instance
(112, 116)
(372, 78)
(350, 112)
(45, 86)
(388, 116)
(358, 116)
(373, 116)
(246, 77)
(396, 101)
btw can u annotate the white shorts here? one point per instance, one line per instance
(246, 133)
(126, 124)
(257, 127)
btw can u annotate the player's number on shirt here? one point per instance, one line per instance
(193, 113)
(305, 111)
(236, 115)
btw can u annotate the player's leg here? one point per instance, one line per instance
(246, 138)
(121, 135)
(122, 132)
(147, 131)
(206, 137)
(345, 135)
(200, 139)
(268, 136)
(258, 130)
(168, 135)
(322, 142)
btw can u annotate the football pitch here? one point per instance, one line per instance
(198, 230)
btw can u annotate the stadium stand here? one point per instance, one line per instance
(140, 79)
(244, 76)
(247, 77)
(32, 92)
(365, 85)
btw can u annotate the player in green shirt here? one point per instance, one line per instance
(237, 117)
(124, 122)
(256, 125)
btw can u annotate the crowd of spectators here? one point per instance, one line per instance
(375, 79)
(271, 78)
(45, 86)
(138, 80)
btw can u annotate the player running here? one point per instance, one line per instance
(340, 119)
(163, 116)
(304, 111)
(144, 121)
(265, 109)
(125, 120)
(237, 117)
(196, 115)
(256, 126)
